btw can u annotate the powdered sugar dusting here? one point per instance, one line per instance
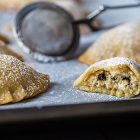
(127, 28)
(121, 41)
(62, 76)
(115, 62)
(16, 75)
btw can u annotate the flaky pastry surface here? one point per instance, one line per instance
(19, 81)
(121, 41)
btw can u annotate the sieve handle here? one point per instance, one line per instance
(89, 19)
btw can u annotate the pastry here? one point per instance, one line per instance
(122, 41)
(18, 81)
(115, 76)
(5, 50)
(4, 39)
(13, 4)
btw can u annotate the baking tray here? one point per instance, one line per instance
(62, 100)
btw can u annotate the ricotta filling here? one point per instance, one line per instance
(123, 82)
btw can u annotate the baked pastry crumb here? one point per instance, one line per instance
(116, 76)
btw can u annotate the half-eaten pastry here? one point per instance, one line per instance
(18, 81)
(116, 76)
(121, 41)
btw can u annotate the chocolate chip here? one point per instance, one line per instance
(114, 78)
(126, 78)
(101, 76)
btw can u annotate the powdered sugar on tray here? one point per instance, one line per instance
(62, 76)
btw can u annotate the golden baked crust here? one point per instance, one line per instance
(122, 41)
(5, 50)
(14, 4)
(116, 76)
(4, 39)
(18, 81)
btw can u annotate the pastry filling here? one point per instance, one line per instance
(122, 81)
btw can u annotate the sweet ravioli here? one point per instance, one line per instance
(122, 41)
(116, 76)
(18, 81)
(5, 50)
